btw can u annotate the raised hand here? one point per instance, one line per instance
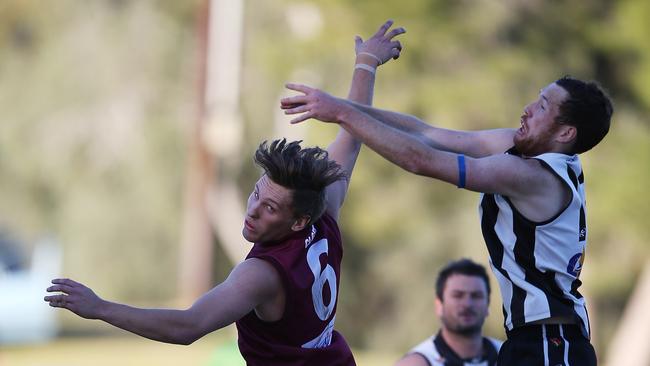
(75, 297)
(380, 46)
(313, 103)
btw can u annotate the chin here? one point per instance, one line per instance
(468, 329)
(249, 238)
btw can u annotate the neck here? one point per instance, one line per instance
(465, 346)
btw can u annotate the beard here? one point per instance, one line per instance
(466, 330)
(527, 147)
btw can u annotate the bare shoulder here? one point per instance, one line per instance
(505, 174)
(542, 194)
(412, 359)
(255, 275)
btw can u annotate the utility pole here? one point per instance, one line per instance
(211, 206)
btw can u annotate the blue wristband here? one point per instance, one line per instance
(461, 171)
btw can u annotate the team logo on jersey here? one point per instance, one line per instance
(575, 264)
(583, 234)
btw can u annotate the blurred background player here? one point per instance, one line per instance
(462, 299)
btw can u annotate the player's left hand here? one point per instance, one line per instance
(75, 297)
(381, 44)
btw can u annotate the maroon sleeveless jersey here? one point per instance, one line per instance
(309, 264)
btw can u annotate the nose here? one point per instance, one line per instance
(252, 209)
(467, 302)
(528, 110)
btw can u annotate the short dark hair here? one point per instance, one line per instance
(462, 266)
(588, 109)
(304, 171)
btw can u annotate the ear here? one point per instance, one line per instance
(300, 223)
(567, 134)
(438, 307)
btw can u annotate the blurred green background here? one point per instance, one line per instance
(98, 99)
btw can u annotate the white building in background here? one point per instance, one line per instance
(24, 316)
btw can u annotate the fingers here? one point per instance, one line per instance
(64, 285)
(396, 50)
(292, 102)
(384, 27)
(395, 32)
(357, 42)
(290, 106)
(60, 288)
(58, 301)
(66, 282)
(301, 118)
(298, 87)
(299, 109)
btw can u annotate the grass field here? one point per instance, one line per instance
(125, 350)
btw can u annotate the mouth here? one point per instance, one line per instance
(468, 315)
(248, 225)
(522, 124)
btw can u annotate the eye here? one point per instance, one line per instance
(256, 195)
(270, 208)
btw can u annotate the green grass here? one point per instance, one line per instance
(219, 348)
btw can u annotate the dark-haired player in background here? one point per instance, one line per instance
(462, 299)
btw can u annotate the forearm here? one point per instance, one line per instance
(345, 148)
(399, 147)
(403, 122)
(163, 325)
(448, 140)
(472, 143)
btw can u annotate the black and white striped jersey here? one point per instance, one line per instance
(438, 353)
(537, 264)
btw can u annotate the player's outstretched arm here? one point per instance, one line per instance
(477, 144)
(493, 174)
(370, 55)
(377, 50)
(250, 284)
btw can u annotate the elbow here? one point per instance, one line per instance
(188, 329)
(413, 160)
(414, 166)
(186, 341)
(187, 333)
(187, 338)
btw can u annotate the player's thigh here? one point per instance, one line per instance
(581, 352)
(517, 353)
(531, 353)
